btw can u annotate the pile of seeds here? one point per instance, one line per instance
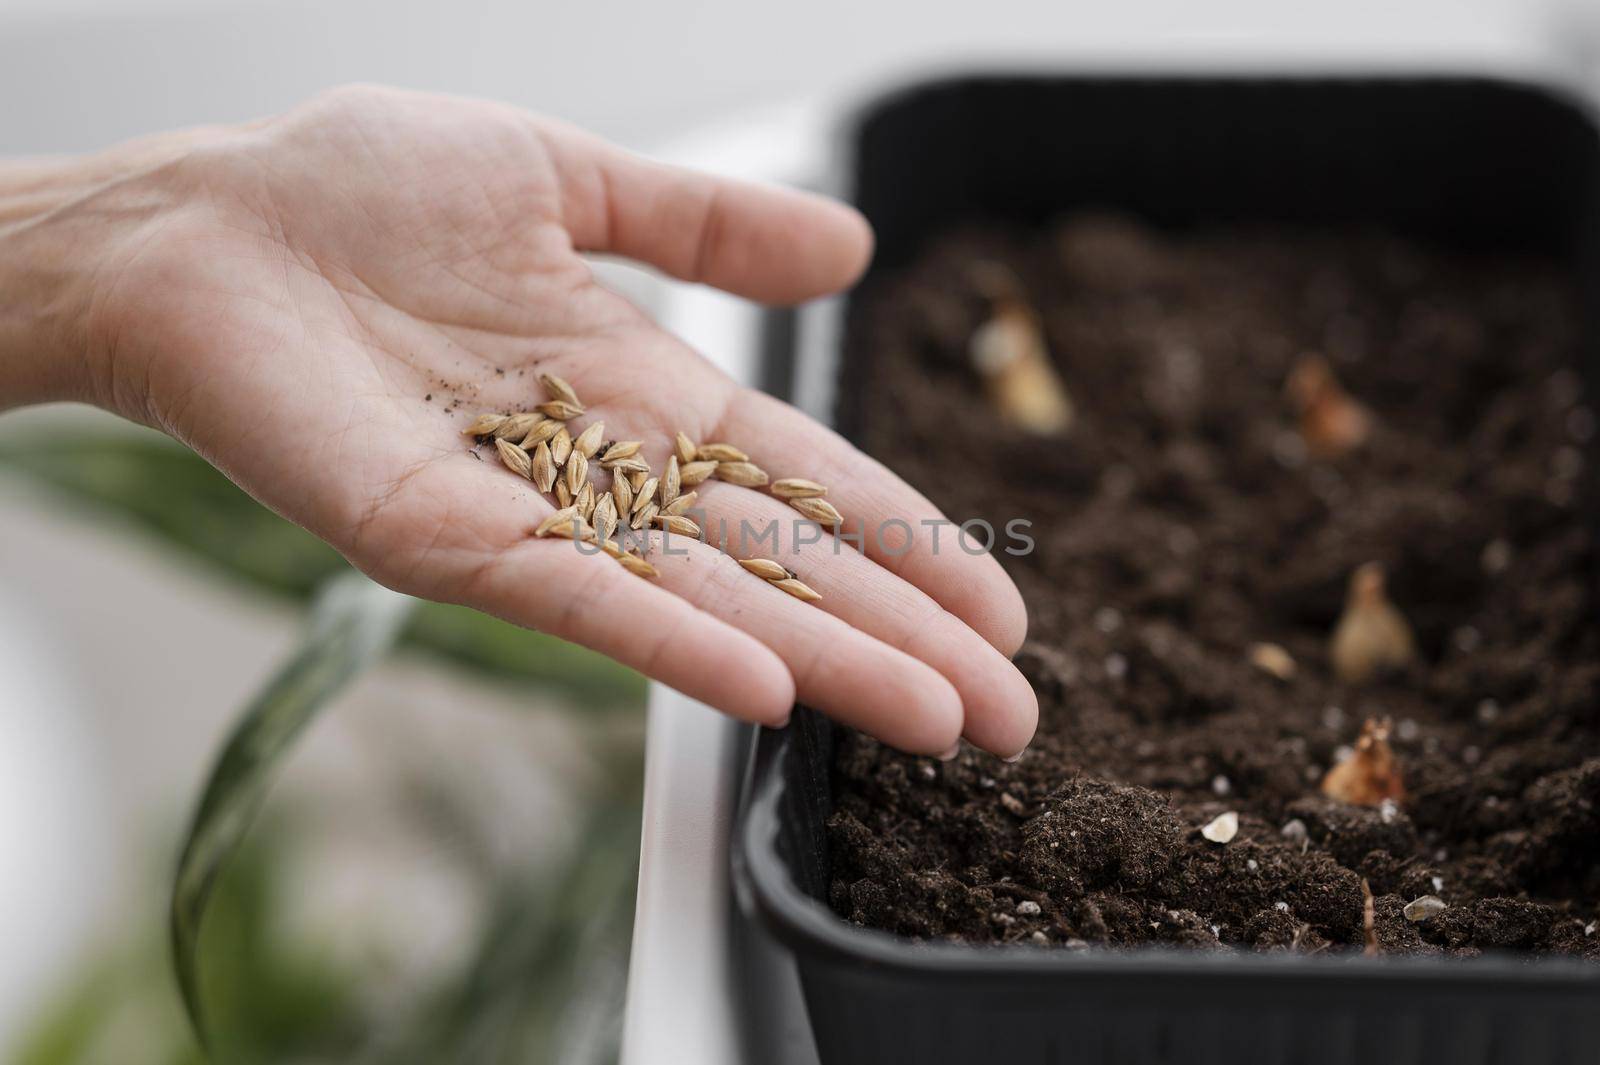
(538, 445)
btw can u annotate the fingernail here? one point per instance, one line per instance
(950, 755)
(1014, 758)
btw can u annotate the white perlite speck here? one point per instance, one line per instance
(1223, 828)
(1028, 908)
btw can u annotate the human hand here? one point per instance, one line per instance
(320, 303)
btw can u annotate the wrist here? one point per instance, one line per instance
(68, 229)
(41, 287)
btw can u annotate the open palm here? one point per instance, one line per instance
(320, 304)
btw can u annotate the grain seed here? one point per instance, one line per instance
(720, 453)
(605, 516)
(559, 389)
(584, 500)
(637, 478)
(644, 494)
(739, 472)
(668, 489)
(543, 432)
(563, 497)
(518, 426)
(561, 409)
(620, 449)
(516, 459)
(797, 488)
(681, 504)
(693, 473)
(565, 514)
(678, 525)
(561, 446)
(588, 441)
(638, 566)
(631, 465)
(686, 449)
(643, 516)
(818, 510)
(766, 569)
(574, 528)
(622, 492)
(799, 589)
(485, 424)
(577, 472)
(544, 467)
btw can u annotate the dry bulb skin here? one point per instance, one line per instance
(1372, 637)
(1273, 660)
(1370, 776)
(1010, 354)
(1332, 423)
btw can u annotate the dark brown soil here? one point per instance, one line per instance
(1178, 523)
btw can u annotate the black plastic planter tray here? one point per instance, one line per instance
(1461, 162)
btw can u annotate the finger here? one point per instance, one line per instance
(1000, 708)
(549, 585)
(457, 529)
(837, 669)
(904, 532)
(767, 243)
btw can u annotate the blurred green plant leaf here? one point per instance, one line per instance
(353, 622)
(185, 503)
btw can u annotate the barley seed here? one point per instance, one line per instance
(622, 492)
(766, 569)
(485, 424)
(561, 446)
(584, 500)
(797, 488)
(637, 478)
(518, 426)
(686, 449)
(565, 514)
(677, 524)
(668, 489)
(644, 494)
(744, 474)
(577, 471)
(588, 441)
(544, 467)
(515, 458)
(644, 516)
(818, 510)
(681, 504)
(563, 497)
(561, 409)
(629, 465)
(693, 473)
(605, 517)
(720, 453)
(559, 389)
(638, 566)
(620, 449)
(542, 433)
(797, 588)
